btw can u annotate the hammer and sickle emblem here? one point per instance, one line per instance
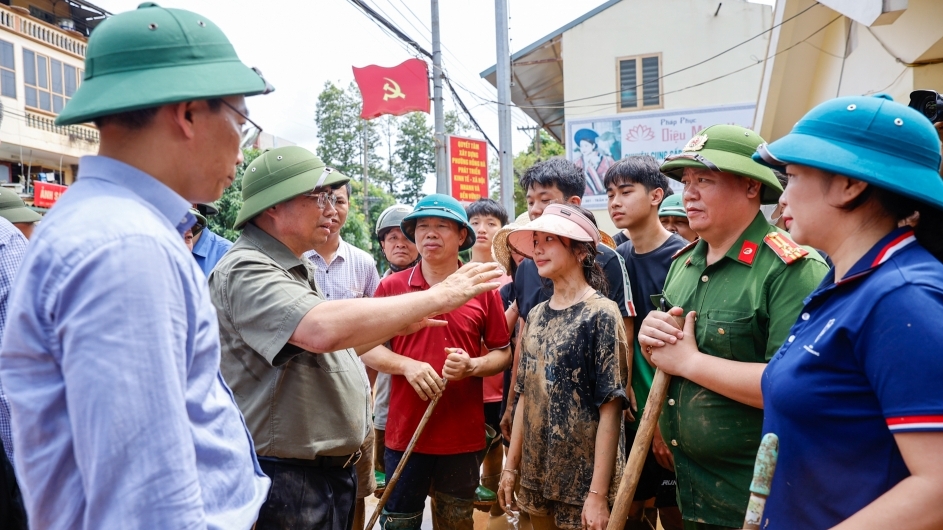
(391, 90)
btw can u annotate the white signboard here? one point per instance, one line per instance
(594, 144)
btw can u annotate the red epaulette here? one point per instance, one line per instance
(688, 247)
(785, 248)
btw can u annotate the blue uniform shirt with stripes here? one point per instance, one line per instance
(861, 364)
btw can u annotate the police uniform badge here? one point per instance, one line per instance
(686, 248)
(785, 248)
(696, 143)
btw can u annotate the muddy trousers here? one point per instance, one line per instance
(453, 478)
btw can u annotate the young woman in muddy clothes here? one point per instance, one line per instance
(566, 456)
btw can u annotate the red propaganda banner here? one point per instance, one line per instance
(396, 91)
(468, 167)
(46, 194)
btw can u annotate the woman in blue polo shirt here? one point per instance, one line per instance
(856, 392)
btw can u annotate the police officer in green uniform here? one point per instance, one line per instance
(738, 289)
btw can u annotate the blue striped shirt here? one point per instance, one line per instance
(12, 249)
(121, 418)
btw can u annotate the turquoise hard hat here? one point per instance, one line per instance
(869, 138)
(439, 205)
(155, 56)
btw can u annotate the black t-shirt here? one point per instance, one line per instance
(531, 289)
(647, 272)
(620, 238)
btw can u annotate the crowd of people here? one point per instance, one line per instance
(155, 375)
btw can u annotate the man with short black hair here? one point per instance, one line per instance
(120, 417)
(559, 181)
(635, 187)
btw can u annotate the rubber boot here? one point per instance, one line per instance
(451, 513)
(400, 521)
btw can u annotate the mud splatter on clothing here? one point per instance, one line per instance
(572, 362)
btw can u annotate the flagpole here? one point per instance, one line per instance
(504, 110)
(442, 178)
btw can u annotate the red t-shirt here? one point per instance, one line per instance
(458, 423)
(494, 385)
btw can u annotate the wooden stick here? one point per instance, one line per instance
(643, 440)
(402, 462)
(762, 480)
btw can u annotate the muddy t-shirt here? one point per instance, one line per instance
(572, 362)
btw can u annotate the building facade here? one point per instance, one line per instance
(821, 50)
(641, 77)
(42, 55)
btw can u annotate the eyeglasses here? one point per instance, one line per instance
(322, 197)
(250, 130)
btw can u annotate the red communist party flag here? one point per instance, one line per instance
(396, 91)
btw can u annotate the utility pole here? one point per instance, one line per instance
(366, 191)
(536, 131)
(504, 110)
(441, 164)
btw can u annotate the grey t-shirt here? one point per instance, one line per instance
(296, 404)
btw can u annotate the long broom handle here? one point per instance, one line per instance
(402, 462)
(643, 440)
(762, 480)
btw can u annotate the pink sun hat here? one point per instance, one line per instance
(557, 219)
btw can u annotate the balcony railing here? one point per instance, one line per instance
(68, 41)
(74, 132)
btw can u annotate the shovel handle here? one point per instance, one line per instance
(762, 480)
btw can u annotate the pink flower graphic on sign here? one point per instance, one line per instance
(640, 132)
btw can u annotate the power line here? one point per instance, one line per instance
(455, 60)
(640, 85)
(728, 74)
(402, 36)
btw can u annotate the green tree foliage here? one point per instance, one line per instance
(358, 230)
(231, 201)
(549, 148)
(415, 156)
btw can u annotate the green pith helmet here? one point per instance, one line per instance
(154, 56)
(727, 148)
(391, 218)
(672, 206)
(207, 209)
(280, 174)
(13, 209)
(439, 205)
(200, 223)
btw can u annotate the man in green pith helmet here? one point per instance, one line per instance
(13, 209)
(738, 290)
(290, 355)
(111, 360)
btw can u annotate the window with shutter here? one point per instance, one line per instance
(639, 82)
